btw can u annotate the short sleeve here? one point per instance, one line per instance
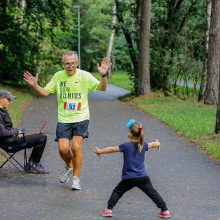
(122, 147)
(92, 82)
(51, 86)
(146, 146)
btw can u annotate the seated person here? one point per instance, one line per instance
(13, 136)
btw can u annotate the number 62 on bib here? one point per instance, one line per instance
(74, 106)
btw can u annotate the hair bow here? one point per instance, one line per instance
(141, 128)
(130, 123)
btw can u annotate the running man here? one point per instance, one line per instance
(72, 86)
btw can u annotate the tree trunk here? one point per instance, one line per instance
(112, 35)
(217, 124)
(3, 13)
(23, 7)
(211, 92)
(3, 6)
(143, 84)
(204, 74)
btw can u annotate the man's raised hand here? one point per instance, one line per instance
(31, 80)
(104, 67)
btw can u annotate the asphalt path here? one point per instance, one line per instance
(187, 179)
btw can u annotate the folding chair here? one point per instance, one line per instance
(9, 152)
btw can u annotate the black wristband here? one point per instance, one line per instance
(105, 75)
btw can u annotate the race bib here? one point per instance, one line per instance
(72, 106)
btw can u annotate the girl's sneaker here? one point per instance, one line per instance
(164, 214)
(106, 212)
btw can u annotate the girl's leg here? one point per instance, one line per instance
(120, 189)
(146, 186)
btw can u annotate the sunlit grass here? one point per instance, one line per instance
(182, 115)
(120, 79)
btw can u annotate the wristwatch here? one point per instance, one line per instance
(105, 75)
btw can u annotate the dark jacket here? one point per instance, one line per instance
(8, 134)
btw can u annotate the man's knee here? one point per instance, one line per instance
(64, 150)
(64, 147)
(76, 148)
(77, 143)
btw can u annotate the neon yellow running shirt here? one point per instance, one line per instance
(72, 94)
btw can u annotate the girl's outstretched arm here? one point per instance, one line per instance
(155, 144)
(107, 150)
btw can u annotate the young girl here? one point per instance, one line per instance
(134, 173)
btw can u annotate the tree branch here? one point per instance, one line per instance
(186, 16)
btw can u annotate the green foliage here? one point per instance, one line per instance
(127, 13)
(23, 29)
(95, 32)
(121, 54)
(34, 36)
(15, 46)
(177, 41)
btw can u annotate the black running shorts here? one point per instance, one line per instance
(68, 130)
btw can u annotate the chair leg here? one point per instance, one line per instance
(5, 161)
(17, 164)
(25, 157)
(9, 159)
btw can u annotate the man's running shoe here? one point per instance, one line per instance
(65, 176)
(76, 183)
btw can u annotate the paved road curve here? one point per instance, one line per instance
(187, 179)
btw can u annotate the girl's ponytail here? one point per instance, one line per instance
(137, 131)
(141, 143)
